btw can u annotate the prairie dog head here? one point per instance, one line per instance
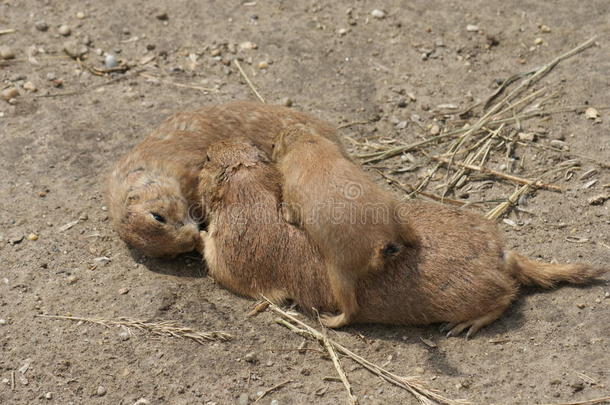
(292, 135)
(152, 216)
(224, 159)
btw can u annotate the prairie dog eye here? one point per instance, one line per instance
(158, 218)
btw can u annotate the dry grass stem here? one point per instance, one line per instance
(516, 179)
(407, 188)
(351, 124)
(272, 389)
(333, 356)
(511, 201)
(161, 328)
(7, 31)
(247, 79)
(410, 384)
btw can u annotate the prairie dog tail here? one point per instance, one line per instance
(547, 275)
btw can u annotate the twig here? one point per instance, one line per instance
(586, 402)
(184, 86)
(516, 179)
(407, 188)
(260, 306)
(333, 356)
(525, 84)
(243, 74)
(275, 387)
(8, 31)
(410, 384)
(351, 124)
(377, 156)
(103, 72)
(161, 328)
(512, 200)
(12, 380)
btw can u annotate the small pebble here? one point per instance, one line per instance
(435, 130)
(402, 103)
(274, 402)
(41, 26)
(72, 280)
(64, 30)
(591, 113)
(556, 143)
(123, 290)
(287, 102)
(251, 357)
(472, 28)
(110, 61)
(80, 15)
(29, 86)
(342, 31)
(75, 49)
(32, 237)
(2, 321)
(527, 136)
(215, 52)
(101, 391)
(142, 401)
(599, 199)
(378, 13)
(247, 45)
(6, 52)
(124, 336)
(263, 65)
(545, 28)
(538, 41)
(48, 395)
(580, 305)
(9, 93)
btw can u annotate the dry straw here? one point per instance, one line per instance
(160, 328)
(465, 150)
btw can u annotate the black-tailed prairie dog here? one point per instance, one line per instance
(354, 223)
(152, 192)
(460, 273)
(248, 247)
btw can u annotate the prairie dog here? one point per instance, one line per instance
(354, 223)
(151, 193)
(460, 273)
(248, 247)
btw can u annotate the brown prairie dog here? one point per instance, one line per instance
(152, 192)
(248, 247)
(354, 223)
(460, 273)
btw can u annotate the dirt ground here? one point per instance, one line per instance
(337, 61)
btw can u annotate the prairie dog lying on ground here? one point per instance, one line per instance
(152, 192)
(459, 273)
(355, 224)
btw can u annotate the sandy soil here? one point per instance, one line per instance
(58, 142)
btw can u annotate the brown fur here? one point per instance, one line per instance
(458, 273)
(160, 174)
(248, 247)
(354, 223)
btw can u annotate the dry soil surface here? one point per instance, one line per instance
(335, 60)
